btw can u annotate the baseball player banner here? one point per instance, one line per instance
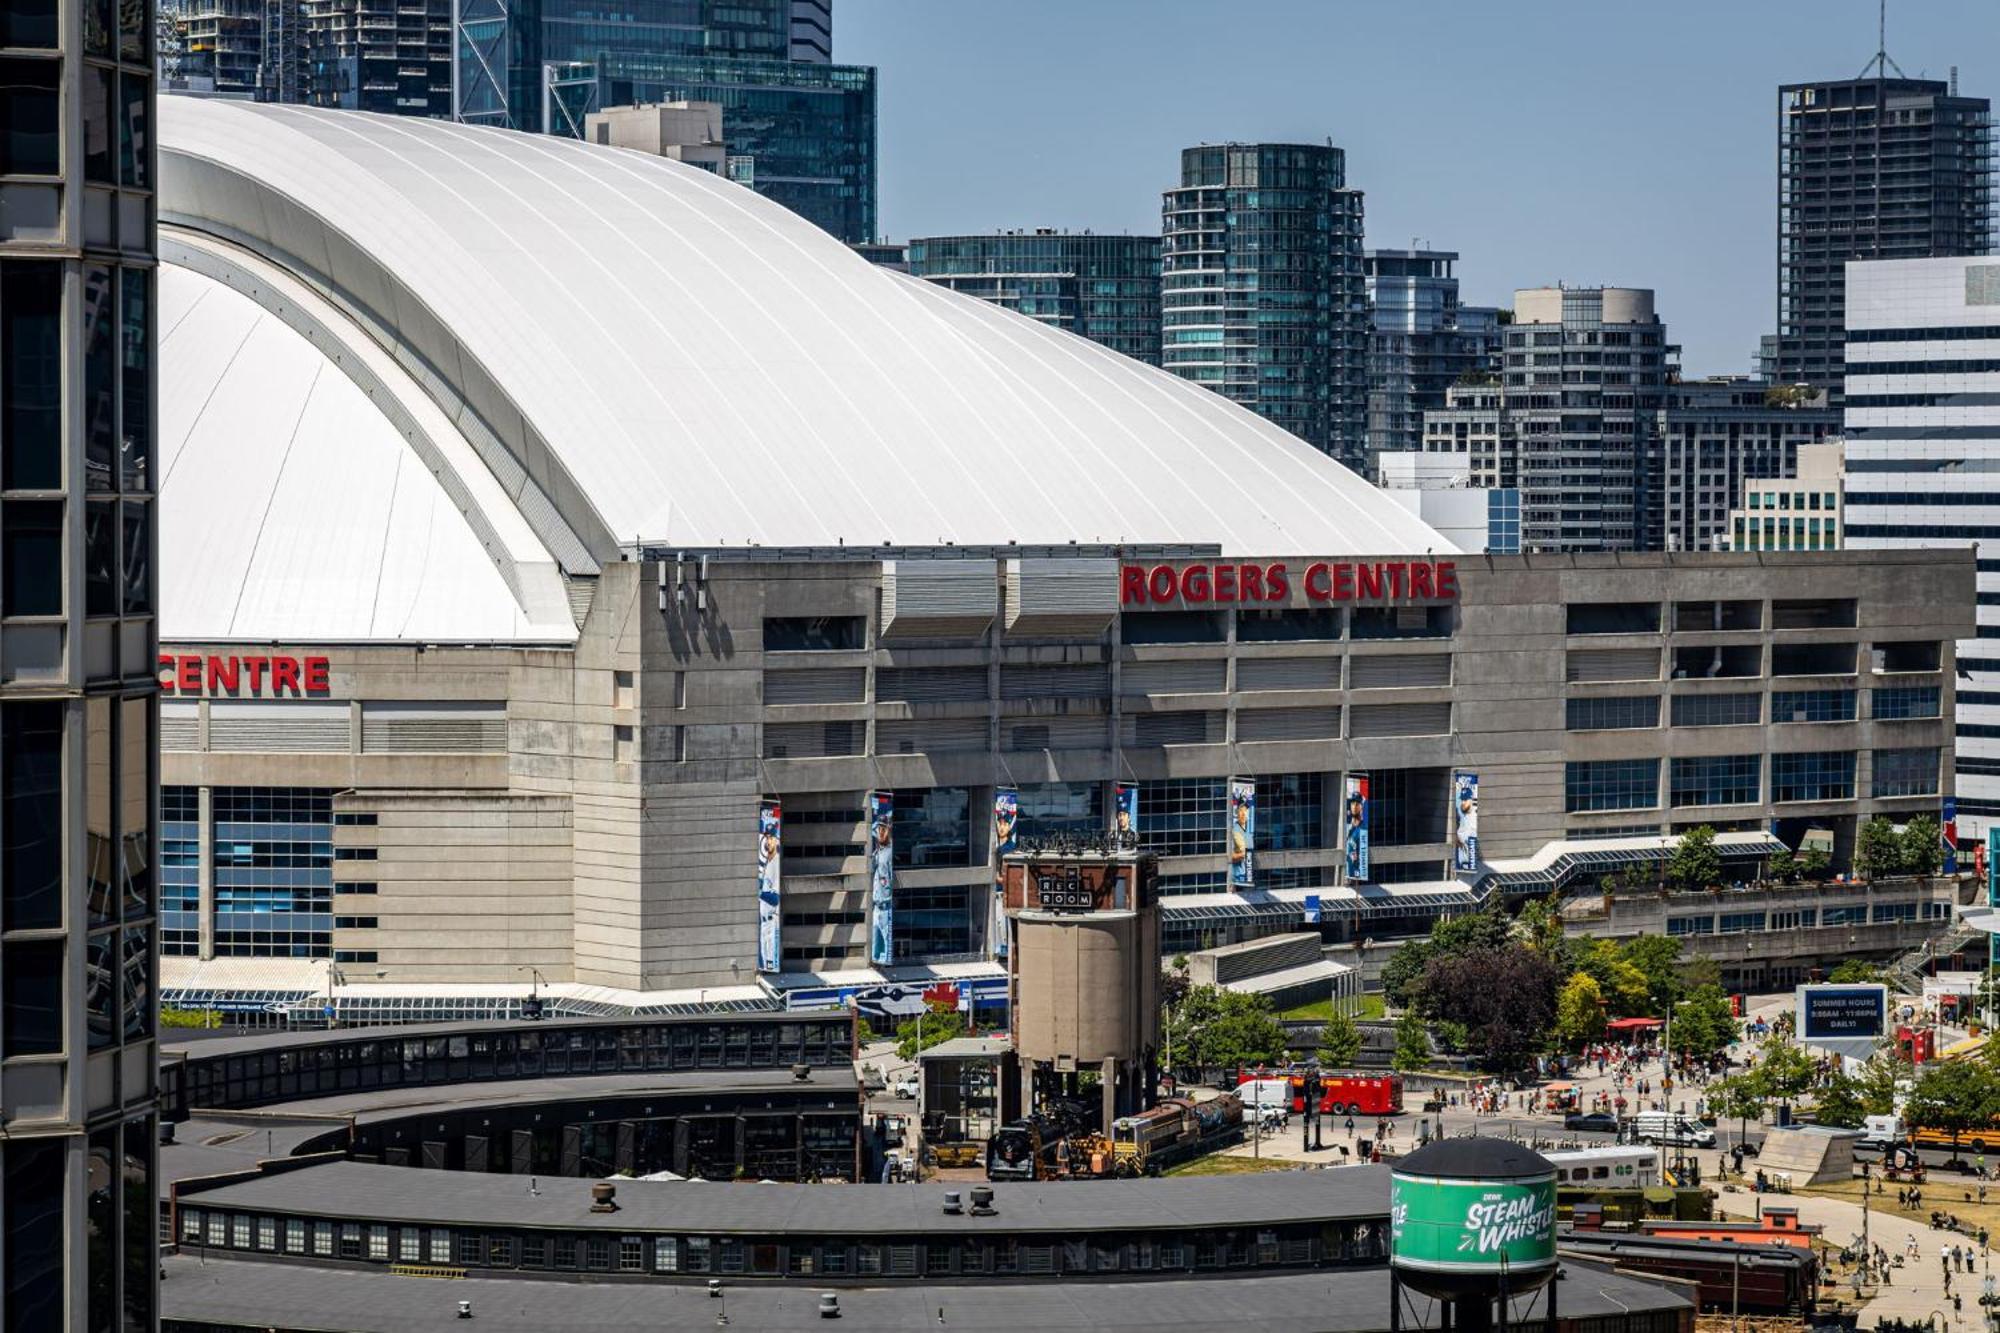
(1125, 813)
(1006, 810)
(1465, 821)
(1242, 833)
(1948, 835)
(1354, 828)
(882, 877)
(770, 859)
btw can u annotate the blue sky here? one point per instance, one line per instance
(1585, 141)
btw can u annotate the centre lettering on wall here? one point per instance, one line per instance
(251, 675)
(1287, 583)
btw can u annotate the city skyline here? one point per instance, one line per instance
(1698, 228)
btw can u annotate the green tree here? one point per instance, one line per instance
(1658, 958)
(1703, 1024)
(1694, 862)
(1487, 928)
(1878, 851)
(1698, 972)
(1785, 1072)
(1217, 1028)
(940, 1023)
(1920, 846)
(1954, 1097)
(1404, 972)
(1814, 862)
(1340, 1041)
(1579, 1010)
(1882, 1079)
(1838, 1101)
(1739, 1098)
(1782, 867)
(1413, 1044)
(1540, 927)
(1625, 988)
(1504, 997)
(1854, 972)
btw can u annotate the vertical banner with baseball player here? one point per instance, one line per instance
(1006, 810)
(1354, 828)
(1993, 890)
(1464, 821)
(770, 859)
(1125, 814)
(1242, 833)
(881, 877)
(1948, 835)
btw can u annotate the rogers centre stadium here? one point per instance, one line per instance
(590, 589)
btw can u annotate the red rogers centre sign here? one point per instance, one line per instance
(1286, 583)
(274, 674)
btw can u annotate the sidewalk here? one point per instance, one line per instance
(1915, 1290)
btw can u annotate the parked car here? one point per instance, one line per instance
(1600, 1122)
(906, 1086)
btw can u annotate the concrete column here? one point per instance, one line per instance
(205, 855)
(1107, 1085)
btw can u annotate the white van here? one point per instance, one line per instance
(1880, 1131)
(1676, 1131)
(1266, 1101)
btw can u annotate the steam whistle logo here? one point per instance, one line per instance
(1492, 1225)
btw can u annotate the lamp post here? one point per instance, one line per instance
(533, 1008)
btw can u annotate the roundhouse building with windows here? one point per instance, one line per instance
(545, 525)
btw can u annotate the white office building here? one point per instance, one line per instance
(1923, 450)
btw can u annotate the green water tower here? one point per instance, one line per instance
(1472, 1222)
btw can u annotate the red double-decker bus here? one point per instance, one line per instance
(1339, 1094)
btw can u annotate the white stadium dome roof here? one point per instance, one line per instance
(416, 373)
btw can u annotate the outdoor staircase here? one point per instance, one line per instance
(1905, 974)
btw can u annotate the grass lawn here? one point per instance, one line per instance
(1221, 1164)
(1944, 1191)
(1372, 1006)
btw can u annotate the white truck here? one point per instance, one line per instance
(1883, 1131)
(1671, 1129)
(1266, 1101)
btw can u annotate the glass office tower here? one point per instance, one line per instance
(1421, 342)
(1106, 288)
(77, 658)
(799, 131)
(1869, 168)
(1262, 295)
